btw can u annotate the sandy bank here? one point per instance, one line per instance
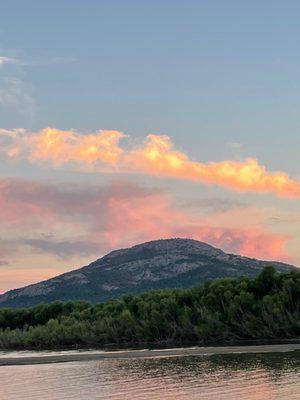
(125, 354)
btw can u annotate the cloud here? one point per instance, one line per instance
(63, 249)
(14, 94)
(67, 220)
(156, 156)
(213, 204)
(235, 145)
(46, 61)
(134, 219)
(41, 62)
(14, 91)
(5, 252)
(47, 229)
(8, 60)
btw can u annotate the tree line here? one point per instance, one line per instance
(220, 311)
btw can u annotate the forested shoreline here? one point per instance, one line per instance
(221, 311)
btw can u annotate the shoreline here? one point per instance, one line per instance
(93, 355)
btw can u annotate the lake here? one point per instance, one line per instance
(256, 376)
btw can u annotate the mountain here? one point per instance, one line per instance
(153, 265)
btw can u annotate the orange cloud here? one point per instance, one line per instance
(101, 151)
(62, 147)
(159, 157)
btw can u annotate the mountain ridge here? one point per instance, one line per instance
(164, 263)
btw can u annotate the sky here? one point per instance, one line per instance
(128, 121)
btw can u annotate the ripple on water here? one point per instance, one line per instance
(236, 376)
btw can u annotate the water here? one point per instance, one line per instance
(267, 376)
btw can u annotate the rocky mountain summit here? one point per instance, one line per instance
(158, 264)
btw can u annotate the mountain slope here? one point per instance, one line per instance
(153, 265)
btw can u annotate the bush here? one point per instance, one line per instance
(266, 307)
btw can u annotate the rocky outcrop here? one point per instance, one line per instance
(153, 265)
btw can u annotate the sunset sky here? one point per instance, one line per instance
(127, 121)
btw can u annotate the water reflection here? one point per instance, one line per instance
(243, 377)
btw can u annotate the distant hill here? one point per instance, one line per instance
(158, 264)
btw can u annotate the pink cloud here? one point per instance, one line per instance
(59, 224)
(133, 220)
